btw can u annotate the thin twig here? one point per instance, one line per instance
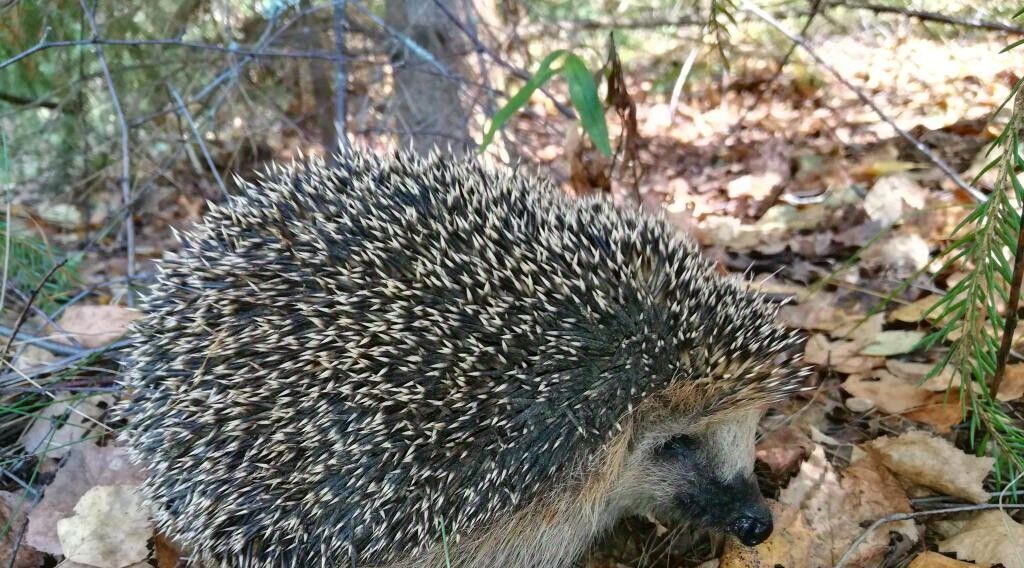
(907, 516)
(126, 190)
(110, 351)
(170, 42)
(931, 16)
(937, 161)
(198, 138)
(516, 71)
(8, 199)
(51, 346)
(677, 88)
(22, 316)
(340, 22)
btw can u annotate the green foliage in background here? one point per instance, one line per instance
(582, 93)
(30, 260)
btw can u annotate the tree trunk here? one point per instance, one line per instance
(425, 100)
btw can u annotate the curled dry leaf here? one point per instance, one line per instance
(992, 537)
(862, 331)
(843, 356)
(784, 449)
(110, 528)
(935, 463)
(95, 326)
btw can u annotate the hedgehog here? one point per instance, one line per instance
(402, 361)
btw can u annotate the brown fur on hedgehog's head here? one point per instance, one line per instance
(429, 362)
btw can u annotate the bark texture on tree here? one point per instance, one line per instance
(426, 102)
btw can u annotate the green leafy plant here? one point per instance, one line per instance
(988, 242)
(582, 93)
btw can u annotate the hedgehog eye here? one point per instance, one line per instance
(677, 445)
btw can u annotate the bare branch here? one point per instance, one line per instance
(931, 16)
(939, 162)
(170, 42)
(516, 71)
(126, 190)
(198, 138)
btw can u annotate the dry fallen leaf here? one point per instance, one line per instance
(887, 391)
(916, 310)
(784, 449)
(843, 356)
(110, 528)
(818, 313)
(935, 463)
(1012, 386)
(13, 513)
(863, 331)
(54, 431)
(929, 559)
(789, 544)
(892, 198)
(900, 253)
(992, 537)
(915, 373)
(941, 412)
(836, 509)
(889, 343)
(86, 466)
(95, 326)
(755, 186)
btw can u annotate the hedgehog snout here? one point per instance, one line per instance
(754, 526)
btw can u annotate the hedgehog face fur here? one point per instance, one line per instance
(426, 362)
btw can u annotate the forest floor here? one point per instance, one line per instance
(788, 180)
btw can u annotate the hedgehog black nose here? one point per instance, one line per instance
(752, 529)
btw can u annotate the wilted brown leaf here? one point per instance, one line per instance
(95, 326)
(784, 449)
(935, 463)
(836, 509)
(892, 198)
(818, 313)
(887, 391)
(13, 516)
(889, 343)
(992, 537)
(915, 311)
(110, 528)
(1012, 386)
(54, 431)
(929, 559)
(843, 356)
(86, 466)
